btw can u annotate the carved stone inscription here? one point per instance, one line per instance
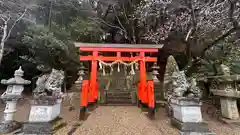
(40, 114)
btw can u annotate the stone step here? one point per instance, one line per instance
(122, 101)
(161, 103)
(118, 93)
(119, 104)
(119, 101)
(118, 98)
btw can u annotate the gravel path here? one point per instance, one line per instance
(118, 121)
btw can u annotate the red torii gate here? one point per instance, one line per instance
(142, 49)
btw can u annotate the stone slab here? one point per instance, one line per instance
(8, 127)
(229, 121)
(161, 103)
(189, 126)
(38, 128)
(223, 93)
(185, 101)
(43, 128)
(44, 113)
(187, 113)
(196, 133)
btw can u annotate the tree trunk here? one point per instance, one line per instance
(3, 41)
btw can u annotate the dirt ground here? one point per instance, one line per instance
(119, 120)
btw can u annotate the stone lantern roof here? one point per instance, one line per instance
(17, 79)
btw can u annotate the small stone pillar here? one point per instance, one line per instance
(15, 87)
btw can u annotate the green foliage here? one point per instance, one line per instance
(47, 47)
(225, 52)
(85, 30)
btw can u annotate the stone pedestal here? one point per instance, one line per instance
(44, 113)
(187, 116)
(8, 124)
(41, 128)
(229, 108)
(42, 117)
(228, 101)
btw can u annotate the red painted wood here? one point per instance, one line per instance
(118, 54)
(145, 92)
(84, 93)
(93, 77)
(118, 49)
(105, 58)
(96, 92)
(150, 89)
(143, 79)
(139, 92)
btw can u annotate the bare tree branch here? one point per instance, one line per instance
(124, 12)
(9, 32)
(231, 11)
(120, 23)
(3, 19)
(188, 34)
(230, 31)
(110, 25)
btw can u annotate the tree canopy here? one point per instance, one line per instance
(201, 32)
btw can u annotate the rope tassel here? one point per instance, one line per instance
(100, 65)
(111, 70)
(104, 73)
(118, 67)
(132, 70)
(136, 66)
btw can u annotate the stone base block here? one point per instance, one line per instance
(190, 127)
(43, 128)
(83, 113)
(38, 128)
(196, 133)
(229, 121)
(161, 103)
(44, 113)
(8, 127)
(229, 108)
(92, 106)
(186, 109)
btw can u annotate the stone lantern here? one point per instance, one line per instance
(81, 74)
(155, 69)
(225, 87)
(15, 87)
